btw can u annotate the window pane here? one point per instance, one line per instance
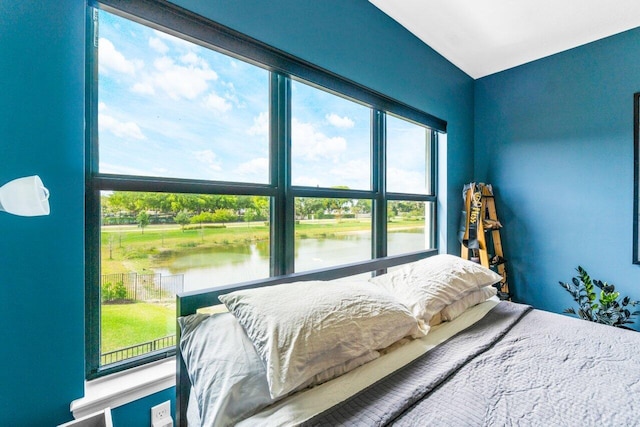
(330, 140)
(156, 244)
(331, 232)
(171, 108)
(408, 157)
(410, 227)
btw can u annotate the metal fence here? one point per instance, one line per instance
(137, 350)
(123, 287)
(140, 287)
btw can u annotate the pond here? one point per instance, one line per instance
(231, 263)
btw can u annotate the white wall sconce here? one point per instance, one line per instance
(25, 197)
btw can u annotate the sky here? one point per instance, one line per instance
(171, 108)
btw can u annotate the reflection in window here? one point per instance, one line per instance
(331, 232)
(330, 140)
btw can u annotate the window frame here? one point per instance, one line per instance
(283, 68)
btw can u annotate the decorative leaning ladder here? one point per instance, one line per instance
(481, 240)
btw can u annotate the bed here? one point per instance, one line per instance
(426, 344)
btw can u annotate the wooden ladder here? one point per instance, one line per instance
(480, 206)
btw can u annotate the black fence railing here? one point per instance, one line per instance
(127, 287)
(137, 350)
(140, 287)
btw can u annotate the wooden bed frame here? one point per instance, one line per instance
(189, 302)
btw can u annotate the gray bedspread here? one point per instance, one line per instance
(514, 367)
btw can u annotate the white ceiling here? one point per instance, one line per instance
(483, 37)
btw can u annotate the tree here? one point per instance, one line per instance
(307, 206)
(361, 206)
(337, 207)
(182, 218)
(110, 245)
(202, 217)
(143, 220)
(261, 205)
(223, 215)
(250, 214)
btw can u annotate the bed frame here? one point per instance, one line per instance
(189, 302)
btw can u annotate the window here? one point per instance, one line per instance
(330, 140)
(331, 231)
(409, 153)
(171, 108)
(410, 176)
(410, 226)
(213, 160)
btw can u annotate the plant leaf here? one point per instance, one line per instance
(603, 308)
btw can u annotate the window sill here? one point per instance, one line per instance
(125, 387)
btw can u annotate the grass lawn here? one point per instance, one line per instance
(124, 325)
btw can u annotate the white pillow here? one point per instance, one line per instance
(429, 285)
(455, 309)
(304, 328)
(228, 378)
(226, 373)
(436, 319)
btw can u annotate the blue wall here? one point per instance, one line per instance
(138, 413)
(41, 258)
(41, 131)
(555, 137)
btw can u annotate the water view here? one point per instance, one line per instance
(227, 264)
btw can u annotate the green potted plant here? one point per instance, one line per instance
(606, 308)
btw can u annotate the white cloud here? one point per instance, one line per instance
(306, 181)
(118, 128)
(120, 170)
(191, 58)
(209, 158)
(158, 45)
(110, 59)
(216, 103)
(406, 181)
(340, 122)
(354, 174)
(257, 166)
(313, 145)
(145, 88)
(231, 94)
(176, 80)
(260, 125)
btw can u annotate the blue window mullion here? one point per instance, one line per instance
(282, 212)
(379, 206)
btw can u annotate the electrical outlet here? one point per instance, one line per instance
(161, 415)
